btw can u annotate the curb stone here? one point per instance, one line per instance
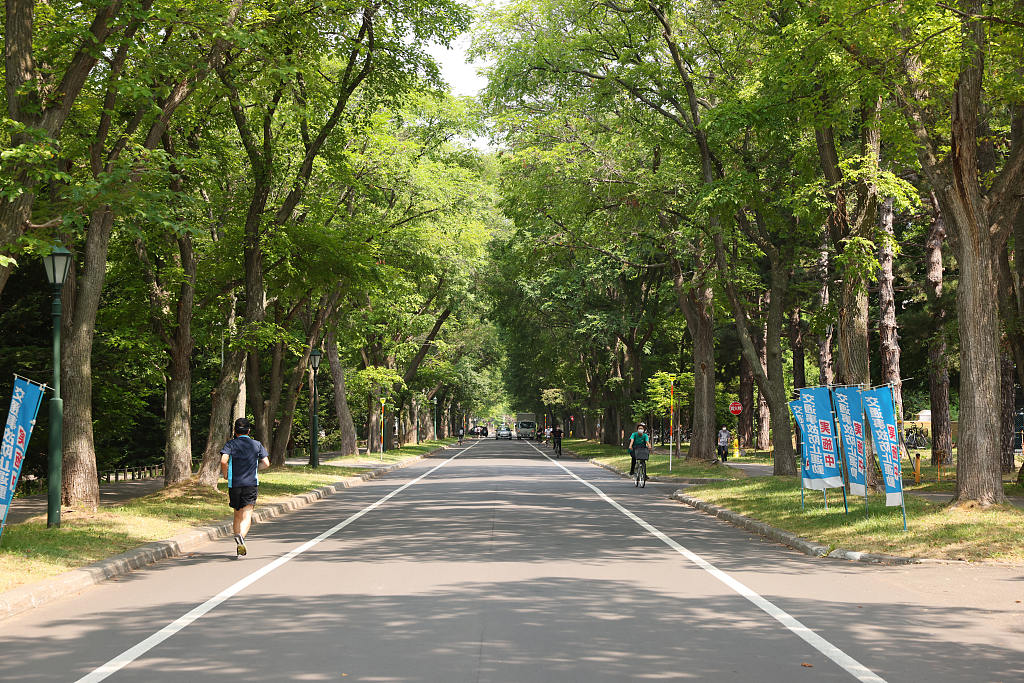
(673, 480)
(24, 598)
(787, 538)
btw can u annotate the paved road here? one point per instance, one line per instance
(498, 565)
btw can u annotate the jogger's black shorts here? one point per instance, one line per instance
(241, 496)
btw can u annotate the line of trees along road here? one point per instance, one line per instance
(758, 180)
(242, 183)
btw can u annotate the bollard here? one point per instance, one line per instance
(917, 468)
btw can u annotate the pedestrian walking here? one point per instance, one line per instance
(723, 444)
(638, 439)
(556, 437)
(240, 460)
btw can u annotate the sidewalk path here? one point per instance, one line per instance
(946, 497)
(752, 469)
(113, 493)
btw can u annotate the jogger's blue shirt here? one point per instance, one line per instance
(244, 455)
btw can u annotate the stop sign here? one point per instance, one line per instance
(735, 408)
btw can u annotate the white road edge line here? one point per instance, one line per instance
(133, 653)
(848, 663)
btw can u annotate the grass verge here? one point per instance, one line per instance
(657, 466)
(388, 457)
(934, 531)
(30, 552)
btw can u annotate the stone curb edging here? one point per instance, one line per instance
(787, 538)
(22, 599)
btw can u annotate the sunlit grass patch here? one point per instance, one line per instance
(395, 455)
(657, 466)
(934, 530)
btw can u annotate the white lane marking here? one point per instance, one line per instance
(133, 653)
(848, 663)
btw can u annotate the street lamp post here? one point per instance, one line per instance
(314, 419)
(383, 425)
(56, 265)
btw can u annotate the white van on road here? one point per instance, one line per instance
(526, 426)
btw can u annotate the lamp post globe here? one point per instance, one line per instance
(56, 263)
(314, 419)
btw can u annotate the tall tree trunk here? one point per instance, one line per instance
(221, 416)
(1009, 391)
(763, 415)
(239, 410)
(826, 376)
(178, 446)
(345, 424)
(796, 345)
(373, 418)
(887, 330)
(745, 430)
(770, 384)
(80, 487)
(938, 365)
(696, 301)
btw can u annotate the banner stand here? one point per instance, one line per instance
(26, 397)
(845, 433)
(899, 432)
(891, 447)
(821, 464)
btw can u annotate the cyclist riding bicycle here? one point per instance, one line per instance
(556, 438)
(638, 439)
(462, 433)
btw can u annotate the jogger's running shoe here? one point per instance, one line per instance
(239, 546)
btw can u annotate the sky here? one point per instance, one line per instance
(462, 76)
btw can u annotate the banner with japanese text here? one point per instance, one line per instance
(882, 423)
(20, 419)
(822, 467)
(850, 418)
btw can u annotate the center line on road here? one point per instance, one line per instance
(133, 653)
(848, 663)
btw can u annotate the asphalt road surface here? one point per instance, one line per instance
(496, 563)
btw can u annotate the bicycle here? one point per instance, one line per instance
(558, 448)
(916, 437)
(640, 474)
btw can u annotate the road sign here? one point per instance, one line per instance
(735, 408)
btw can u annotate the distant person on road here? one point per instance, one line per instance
(547, 434)
(556, 440)
(723, 444)
(462, 433)
(240, 460)
(638, 439)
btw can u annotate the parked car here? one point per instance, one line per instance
(504, 432)
(478, 430)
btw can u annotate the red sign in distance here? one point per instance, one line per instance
(735, 408)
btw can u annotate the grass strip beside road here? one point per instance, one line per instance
(657, 466)
(30, 552)
(934, 530)
(389, 457)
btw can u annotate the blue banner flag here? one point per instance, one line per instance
(822, 468)
(882, 423)
(798, 415)
(20, 420)
(850, 417)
